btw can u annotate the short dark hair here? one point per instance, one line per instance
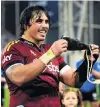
(28, 13)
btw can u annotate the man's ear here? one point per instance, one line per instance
(30, 22)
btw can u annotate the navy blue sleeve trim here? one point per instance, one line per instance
(11, 63)
(62, 65)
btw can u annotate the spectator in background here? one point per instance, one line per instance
(71, 98)
(88, 89)
(96, 72)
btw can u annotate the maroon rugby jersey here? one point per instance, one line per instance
(25, 52)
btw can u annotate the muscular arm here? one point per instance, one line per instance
(68, 76)
(20, 74)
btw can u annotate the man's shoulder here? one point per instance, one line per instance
(10, 45)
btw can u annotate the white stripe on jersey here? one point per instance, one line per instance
(64, 69)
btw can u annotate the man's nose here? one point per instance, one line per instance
(44, 24)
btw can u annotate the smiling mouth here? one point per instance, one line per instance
(44, 32)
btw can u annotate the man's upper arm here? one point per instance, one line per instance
(10, 70)
(11, 57)
(67, 75)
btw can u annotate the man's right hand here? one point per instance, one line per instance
(59, 46)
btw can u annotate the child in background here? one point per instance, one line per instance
(71, 98)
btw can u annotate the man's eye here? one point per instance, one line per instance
(39, 20)
(47, 21)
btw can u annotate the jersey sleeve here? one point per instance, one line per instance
(11, 56)
(62, 63)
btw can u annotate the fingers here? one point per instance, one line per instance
(95, 49)
(93, 46)
(63, 44)
(59, 46)
(95, 52)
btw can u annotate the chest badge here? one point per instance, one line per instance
(33, 53)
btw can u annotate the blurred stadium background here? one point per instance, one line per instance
(76, 19)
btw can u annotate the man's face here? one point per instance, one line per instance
(39, 28)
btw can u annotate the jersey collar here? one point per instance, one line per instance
(31, 44)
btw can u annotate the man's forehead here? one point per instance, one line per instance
(39, 16)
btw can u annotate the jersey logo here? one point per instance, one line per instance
(53, 68)
(33, 53)
(6, 58)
